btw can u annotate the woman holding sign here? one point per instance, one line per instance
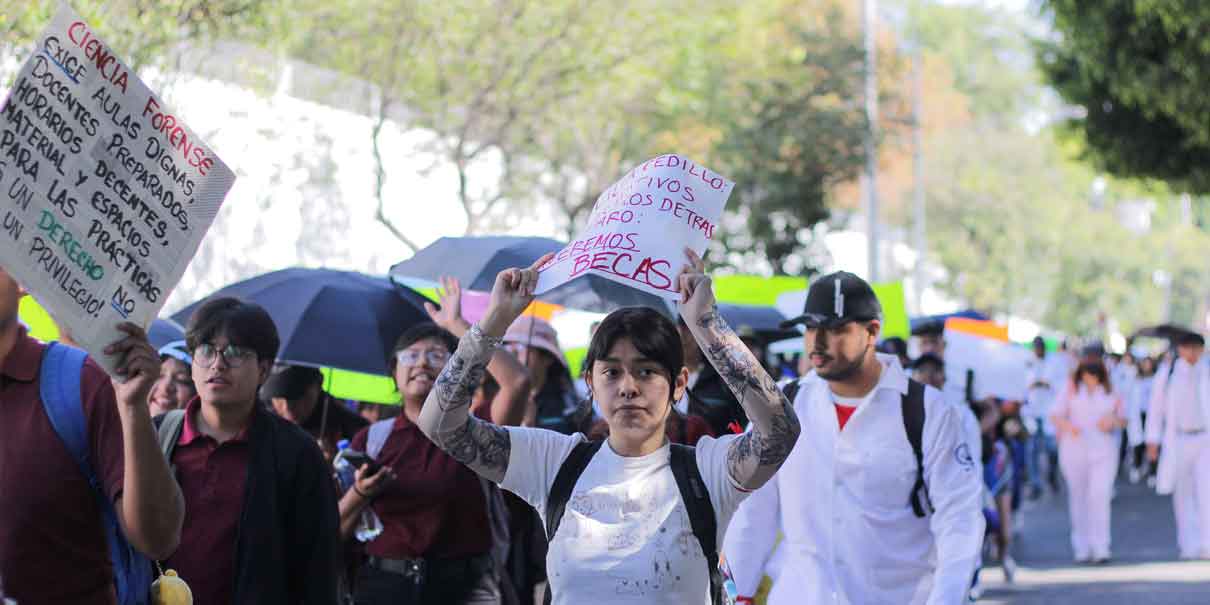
(633, 516)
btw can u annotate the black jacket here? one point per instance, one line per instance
(713, 400)
(287, 552)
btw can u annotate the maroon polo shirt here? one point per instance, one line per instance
(52, 542)
(435, 508)
(212, 478)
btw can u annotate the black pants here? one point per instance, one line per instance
(463, 582)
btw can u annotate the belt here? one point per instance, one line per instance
(419, 569)
(408, 568)
(1194, 432)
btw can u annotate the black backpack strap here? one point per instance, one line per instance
(791, 390)
(701, 513)
(560, 491)
(913, 425)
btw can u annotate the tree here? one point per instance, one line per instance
(1138, 69)
(790, 139)
(488, 78)
(146, 29)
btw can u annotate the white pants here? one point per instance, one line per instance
(1191, 494)
(1089, 472)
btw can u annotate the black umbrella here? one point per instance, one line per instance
(1164, 331)
(331, 319)
(475, 261)
(163, 331)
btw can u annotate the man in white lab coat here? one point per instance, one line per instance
(843, 499)
(1179, 419)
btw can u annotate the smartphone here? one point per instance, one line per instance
(360, 459)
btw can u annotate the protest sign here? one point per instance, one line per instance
(640, 226)
(105, 193)
(998, 365)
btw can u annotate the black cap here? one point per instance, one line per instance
(1191, 338)
(291, 383)
(837, 299)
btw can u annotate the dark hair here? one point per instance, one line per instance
(1097, 369)
(893, 346)
(245, 324)
(927, 359)
(654, 335)
(419, 332)
(1151, 366)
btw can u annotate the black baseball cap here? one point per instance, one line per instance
(837, 299)
(291, 382)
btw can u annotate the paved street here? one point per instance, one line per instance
(1144, 571)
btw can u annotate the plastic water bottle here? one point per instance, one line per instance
(369, 526)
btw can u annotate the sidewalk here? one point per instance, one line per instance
(1144, 570)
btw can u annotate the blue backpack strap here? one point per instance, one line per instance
(377, 437)
(59, 387)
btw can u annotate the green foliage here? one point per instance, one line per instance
(790, 138)
(1138, 68)
(141, 30)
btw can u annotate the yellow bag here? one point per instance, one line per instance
(170, 589)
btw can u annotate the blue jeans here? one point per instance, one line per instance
(1040, 444)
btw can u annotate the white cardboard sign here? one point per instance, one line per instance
(640, 226)
(105, 193)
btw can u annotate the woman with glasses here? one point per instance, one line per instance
(632, 519)
(443, 538)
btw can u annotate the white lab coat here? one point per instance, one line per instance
(1160, 428)
(841, 501)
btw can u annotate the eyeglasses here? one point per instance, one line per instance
(435, 357)
(206, 355)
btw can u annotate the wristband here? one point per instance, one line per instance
(747, 600)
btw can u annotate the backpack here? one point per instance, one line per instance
(688, 480)
(913, 424)
(60, 393)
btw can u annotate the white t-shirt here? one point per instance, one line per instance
(625, 536)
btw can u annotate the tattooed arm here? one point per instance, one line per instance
(758, 453)
(445, 419)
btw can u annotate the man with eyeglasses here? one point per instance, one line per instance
(260, 511)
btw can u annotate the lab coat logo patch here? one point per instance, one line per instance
(962, 454)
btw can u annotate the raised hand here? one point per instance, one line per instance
(511, 295)
(449, 315)
(696, 288)
(138, 368)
